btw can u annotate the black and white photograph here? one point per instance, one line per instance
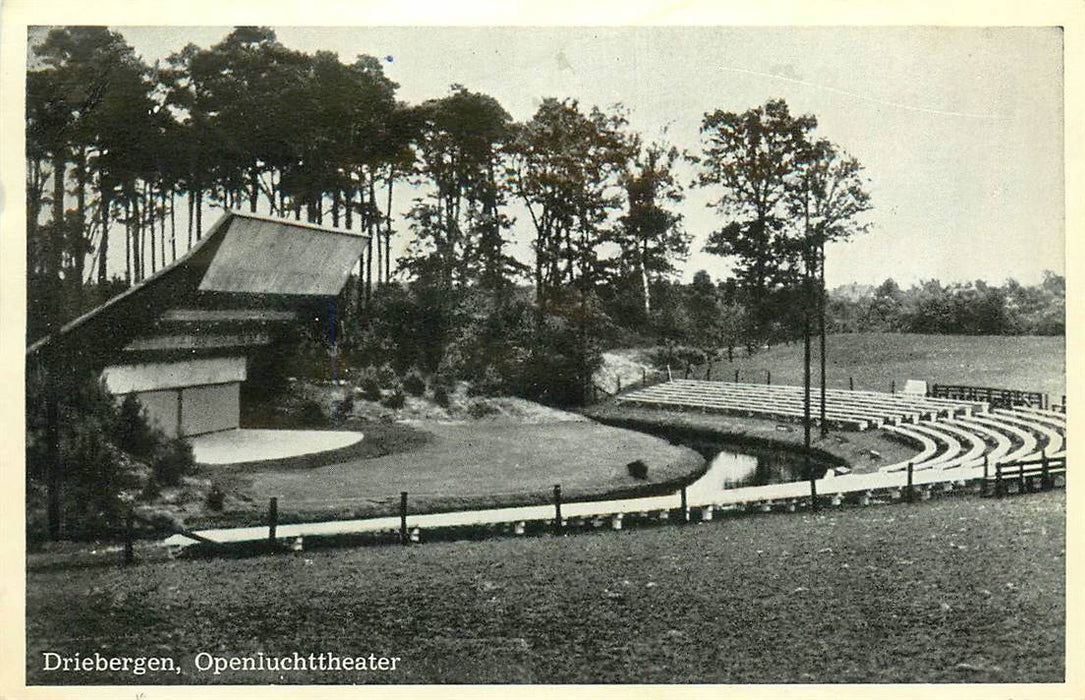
(604, 350)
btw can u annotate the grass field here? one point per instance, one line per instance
(874, 360)
(458, 465)
(953, 590)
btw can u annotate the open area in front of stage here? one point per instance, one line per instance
(958, 589)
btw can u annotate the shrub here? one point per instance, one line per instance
(371, 390)
(134, 435)
(440, 395)
(310, 413)
(396, 400)
(173, 460)
(413, 383)
(216, 499)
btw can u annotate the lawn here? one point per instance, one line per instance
(875, 360)
(458, 465)
(958, 589)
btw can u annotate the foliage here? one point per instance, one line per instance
(969, 308)
(414, 384)
(395, 400)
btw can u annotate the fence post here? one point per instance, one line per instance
(619, 379)
(129, 555)
(893, 387)
(685, 506)
(910, 493)
(557, 509)
(1020, 478)
(998, 480)
(986, 474)
(1045, 473)
(689, 366)
(768, 376)
(272, 519)
(643, 375)
(708, 372)
(736, 376)
(669, 377)
(404, 537)
(851, 383)
(813, 493)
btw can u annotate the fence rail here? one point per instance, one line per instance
(1027, 474)
(1007, 398)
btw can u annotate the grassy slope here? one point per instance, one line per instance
(1028, 363)
(474, 464)
(946, 591)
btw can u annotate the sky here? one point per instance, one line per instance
(960, 130)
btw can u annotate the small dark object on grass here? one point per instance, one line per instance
(638, 469)
(481, 409)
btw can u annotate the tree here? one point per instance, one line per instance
(459, 226)
(827, 195)
(753, 156)
(567, 171)
(651, 235)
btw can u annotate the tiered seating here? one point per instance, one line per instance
(948, 434)
(850, 409)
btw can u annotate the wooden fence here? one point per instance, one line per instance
(1006, 398)
(1027, 475)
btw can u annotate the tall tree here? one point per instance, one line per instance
(752, 156)
(567, 169)
(651, 234)
(828, 196)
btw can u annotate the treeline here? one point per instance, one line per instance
(120, 153)
(969, 308)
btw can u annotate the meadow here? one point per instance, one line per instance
(874, 361)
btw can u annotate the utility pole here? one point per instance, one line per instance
(821, 321)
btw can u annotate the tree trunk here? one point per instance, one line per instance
(369, 226)
(127, 241)
(388, 229)
(79, 234)
(173, 225)
(644, 280)
(103, 250)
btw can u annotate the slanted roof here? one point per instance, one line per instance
(224, 293)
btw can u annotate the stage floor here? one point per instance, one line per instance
(234, 446)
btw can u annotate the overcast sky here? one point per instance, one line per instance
(960, 129)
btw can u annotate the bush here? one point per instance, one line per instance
(173, 460)
(676, 356)
(310, 413)
(134, 435)
(396, 400)
(216, 499)
(413, 383)
(440, 395)
(371, 390)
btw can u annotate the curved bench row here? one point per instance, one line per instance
(998, 436)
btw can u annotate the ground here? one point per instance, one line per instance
(958, 589)
(460, 465)
(875, 360)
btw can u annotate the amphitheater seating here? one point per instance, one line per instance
(948, 434)
(850, 409)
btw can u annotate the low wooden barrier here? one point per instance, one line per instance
(1005, 398)
(1027, 474)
